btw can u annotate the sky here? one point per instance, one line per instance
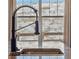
(36, 1)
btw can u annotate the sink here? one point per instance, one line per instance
(42, 51)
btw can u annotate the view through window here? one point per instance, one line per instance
(51, 25)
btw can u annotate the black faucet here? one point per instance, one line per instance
(13, 39)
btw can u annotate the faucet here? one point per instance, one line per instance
(13, 39)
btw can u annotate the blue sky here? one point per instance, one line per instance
(36, 1)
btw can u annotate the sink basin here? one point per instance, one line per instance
(42, 52)
(38, 51)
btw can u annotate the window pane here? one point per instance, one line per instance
(52, 7)
(53, 25)
(45, 7)
(54, 38)
(61, 7)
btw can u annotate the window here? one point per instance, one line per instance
(51, 27)
(54, 26)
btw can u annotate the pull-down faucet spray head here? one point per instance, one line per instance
(36, 28)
